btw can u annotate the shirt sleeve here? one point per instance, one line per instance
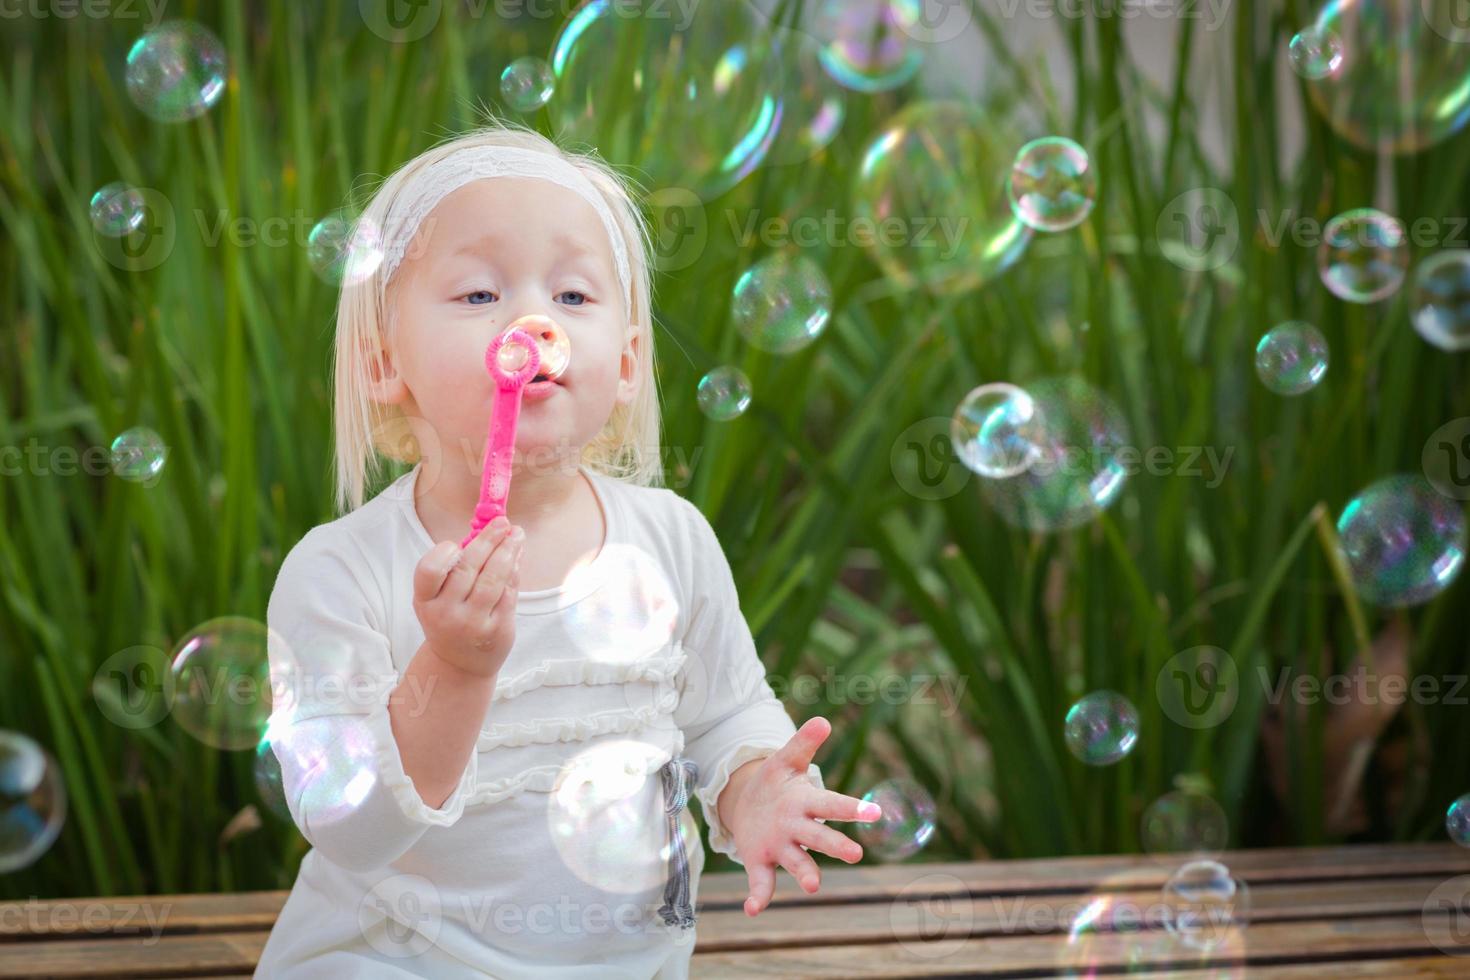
(331, 678)
(727, 711)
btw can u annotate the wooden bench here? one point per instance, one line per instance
(1366, 911)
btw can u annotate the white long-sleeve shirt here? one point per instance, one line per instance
(550, 858)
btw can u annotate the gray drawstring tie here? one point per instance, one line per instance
(679, 776)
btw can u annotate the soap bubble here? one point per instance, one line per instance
(907, 822)
(32, 801)
(1403, 541)
(1439, 301)
(1078, 472)
(869, 45)
(1363, 255)
(724, 393)
(1102, 728)
(930, 164)
(690, 102)
(1119, 929)
(1052, 185)
(269, 781)
(1292, 358)
(117, 209)
(176, 71)
(782, 303)
(812, 104)
(1401, 84)
(1315, 54)
(1457, 821)
(1204, 906)
(996, 431)
(138, 454)
(1184, 822)
(606, 817)
(527, 84)
(344, 250)
(222, 682)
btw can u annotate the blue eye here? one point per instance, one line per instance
(479, 292)
(573, 292)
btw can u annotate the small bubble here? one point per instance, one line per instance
(782, 303)
(1102, 728)
(176, 71)
(117, 209)
(1315, 53)
(724, 393)
(1291, 358)
(138, 454)
(907, 822)
(1052, 186)
(527, 84)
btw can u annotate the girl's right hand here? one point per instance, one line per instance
(466, 600)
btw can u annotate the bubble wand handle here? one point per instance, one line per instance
(512, 360)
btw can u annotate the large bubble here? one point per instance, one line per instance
(1403, 83)
(687, 101)
(1404, 542)
(1078, 471)
(930, 198)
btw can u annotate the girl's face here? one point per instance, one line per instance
(492, 251)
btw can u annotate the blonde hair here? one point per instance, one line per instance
(626, 449)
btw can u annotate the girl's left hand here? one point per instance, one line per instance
(776, 813)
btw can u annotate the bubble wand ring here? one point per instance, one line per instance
(512, 360)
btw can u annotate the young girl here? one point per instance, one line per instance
(493, 778)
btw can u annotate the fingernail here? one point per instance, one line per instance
(870, 811)
(518, 534)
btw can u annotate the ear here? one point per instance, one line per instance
(628, 374)
(385, 384)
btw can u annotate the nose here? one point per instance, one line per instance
(552, 342)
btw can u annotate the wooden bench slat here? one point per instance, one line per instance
(1327, 945)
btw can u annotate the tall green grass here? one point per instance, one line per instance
(224, 348)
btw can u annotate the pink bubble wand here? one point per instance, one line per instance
(512, 360)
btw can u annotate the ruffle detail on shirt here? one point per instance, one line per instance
(720, 839)
(560, 673)
(390, 773)
(616, 722)
(544, 779)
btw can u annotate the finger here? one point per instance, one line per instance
(433, 569)
(839, 806)
(477, 554)
(762, 878)
(797, 753)
(802, 868)
(831, 842)
(491, 582)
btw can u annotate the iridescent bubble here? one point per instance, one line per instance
(1439, 300)
(691, 102)
(344, 250)
(32, 801)
(117, 209)
(1204, 906)
(1457, 821)
(782, 303)
(527, 84)
(1401, 84)
(138, 454)
(1102, 728)
(1403, 541)
(269, 782)
(606, 817)
(1052, 186)
(724, 393)
(1291, 358)
(1184, 822)
(869, 45)
(176, 71)
(906, 824)
(812, 105)
(222, 682)
(996, 431)
(1363, 255)
(1078, 471)
(931, 196)
(1315, 54)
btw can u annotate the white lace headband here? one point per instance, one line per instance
(477, 162)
